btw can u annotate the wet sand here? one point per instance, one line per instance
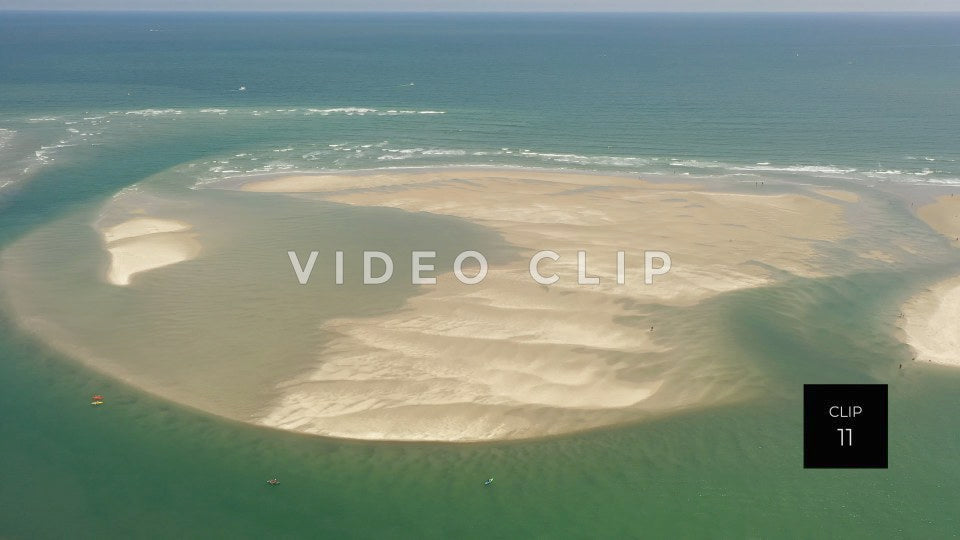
(932, 318)
(509, 358)
(943, 216)
(143, 244)
(931, 322)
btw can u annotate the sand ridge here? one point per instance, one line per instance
(142, 244)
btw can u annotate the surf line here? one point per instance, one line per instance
(655, 263)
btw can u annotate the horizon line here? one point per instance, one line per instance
(469, 12)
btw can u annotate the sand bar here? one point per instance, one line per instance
(143, 244)
(931, 322)
(943, 216)
(505, 359)
(511, 359)
(142, 227)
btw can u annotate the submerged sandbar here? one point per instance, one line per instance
(234, 333)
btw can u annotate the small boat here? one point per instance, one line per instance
(273, 482)
(488, 481)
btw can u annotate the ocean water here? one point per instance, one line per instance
(867, 96)
(91, 104)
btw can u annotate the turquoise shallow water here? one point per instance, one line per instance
(865, 99)
(141, 465)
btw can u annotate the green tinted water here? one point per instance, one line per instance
(874, 94)
(141, 465)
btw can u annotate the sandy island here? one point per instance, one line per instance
(508, 358)
(511, 359)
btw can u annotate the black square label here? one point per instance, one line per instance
(844, 426)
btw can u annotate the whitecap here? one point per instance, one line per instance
(816, 169)
(154, 112)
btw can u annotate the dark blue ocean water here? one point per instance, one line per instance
(868, 96)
